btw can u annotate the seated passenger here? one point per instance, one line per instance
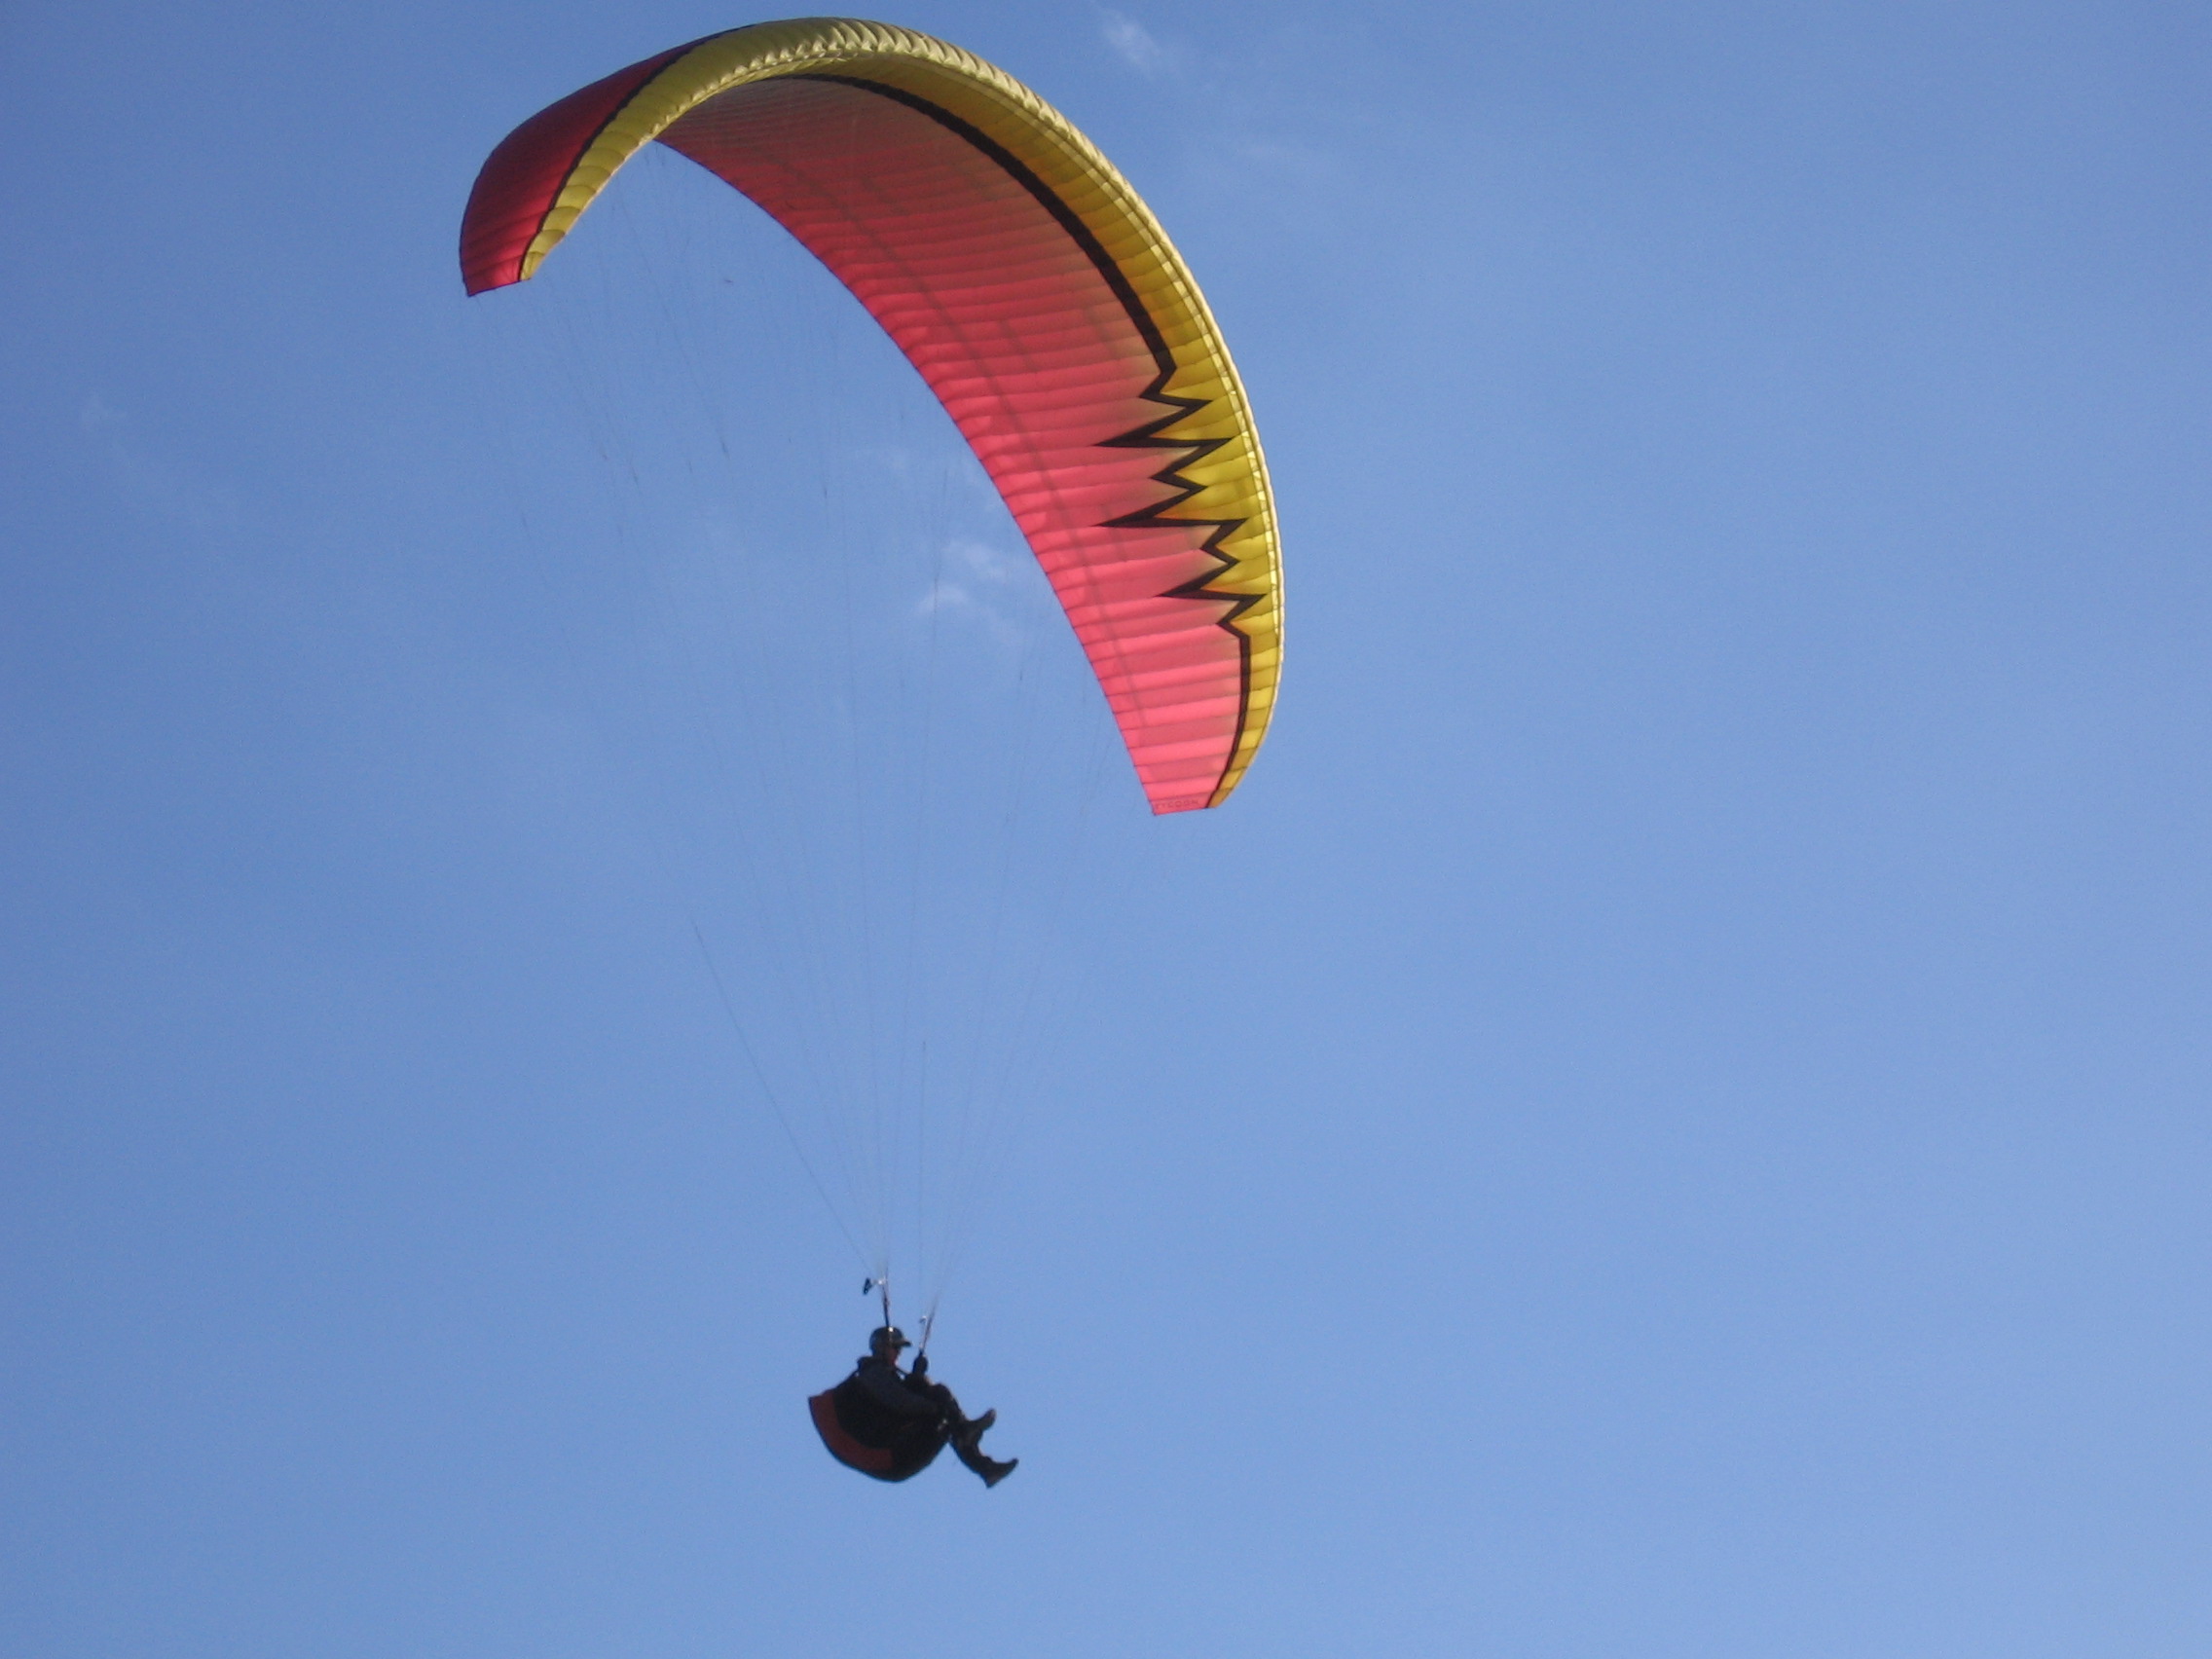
(890, 1424)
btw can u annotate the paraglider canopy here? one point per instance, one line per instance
(1035, 293)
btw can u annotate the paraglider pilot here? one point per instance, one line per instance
(891, 1424)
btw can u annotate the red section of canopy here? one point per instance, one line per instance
(521, 179)
(1025, 341)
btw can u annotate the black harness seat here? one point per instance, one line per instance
(863, 1434)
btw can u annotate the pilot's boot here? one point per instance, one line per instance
(972, 1429)
(991, 1470)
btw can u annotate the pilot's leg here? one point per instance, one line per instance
(965, 1447)
(965, 1435)
(956, 1422)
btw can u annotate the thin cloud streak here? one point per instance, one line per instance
(1134, 45)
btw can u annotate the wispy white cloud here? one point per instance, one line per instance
(985, 584)
(171, 490)
(1136, 47)
(987, 563)
(1292, 172)
(1223, 150)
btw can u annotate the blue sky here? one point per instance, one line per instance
(1667, 1117)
